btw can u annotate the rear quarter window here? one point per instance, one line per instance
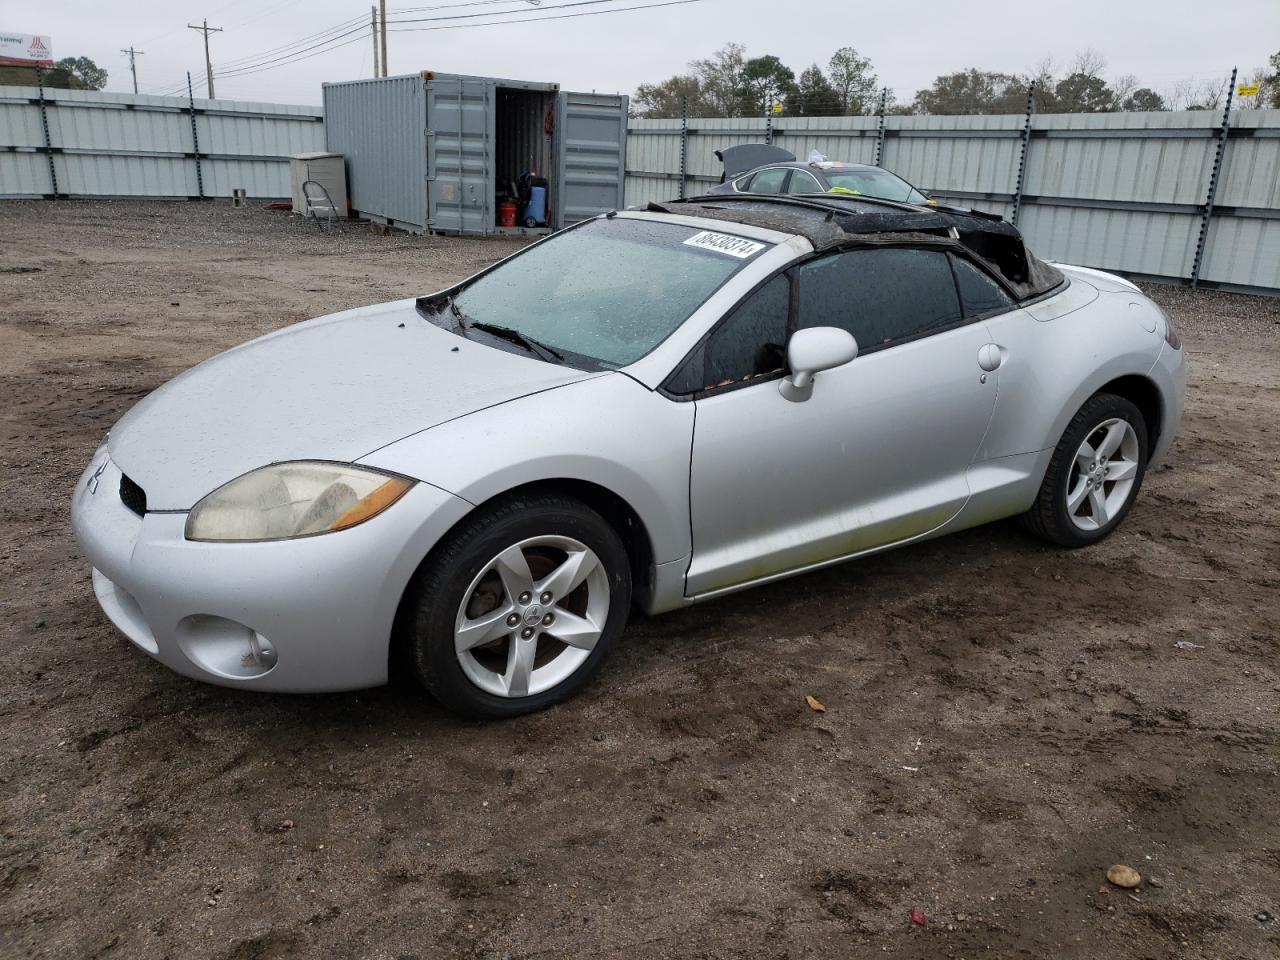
(979, 294)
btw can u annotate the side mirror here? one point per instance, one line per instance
(812, 351)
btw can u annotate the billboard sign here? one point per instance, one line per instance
(24, 50)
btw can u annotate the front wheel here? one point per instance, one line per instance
(519, 607)
(1094, 475)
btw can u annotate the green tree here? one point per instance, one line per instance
(1144, 98)
(815, 96)
(854, 82)
(79, 73)
(973, 91)
(1271, 93)
(1083, 93)
(667, 99)
(763, 81)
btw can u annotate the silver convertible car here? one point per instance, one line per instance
(655, 407)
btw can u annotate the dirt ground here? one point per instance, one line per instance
(1004, 720)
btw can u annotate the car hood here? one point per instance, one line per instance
(334, 388)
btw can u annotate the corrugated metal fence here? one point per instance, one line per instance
(1123, 191)
(82, 143)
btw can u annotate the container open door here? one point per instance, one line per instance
(459, 132)
(591, 154)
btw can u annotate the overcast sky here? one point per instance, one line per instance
(1160, 41)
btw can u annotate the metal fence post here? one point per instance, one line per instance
(884, 95)
(768, 123)
(1022, 156)
(1203, 239)
(195, 138)
(44, 124)
(684, 144)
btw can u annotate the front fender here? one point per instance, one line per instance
(609, 430)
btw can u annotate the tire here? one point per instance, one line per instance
(1051, 517)
(468, 583)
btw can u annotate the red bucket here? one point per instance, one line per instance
(506, 214)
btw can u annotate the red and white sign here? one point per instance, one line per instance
(24, 50)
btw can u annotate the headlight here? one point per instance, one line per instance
(290, 500)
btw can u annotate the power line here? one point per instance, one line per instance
(306, 53)
(344, 29)
(335, 32)
(501, 13)
(352, 31)
(283, 49)
(261, 63)
(562, 16)
(286, 48)
(168, 33)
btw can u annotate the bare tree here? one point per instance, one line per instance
(1122, 86)
(1089, 62)
(1197, 94)
(719, 78)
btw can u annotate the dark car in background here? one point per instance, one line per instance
(764, 169)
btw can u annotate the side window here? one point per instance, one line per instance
(978, 292)
(881, 296)
(803, 182)
(768, 181)
(751, 342)
(742, 183)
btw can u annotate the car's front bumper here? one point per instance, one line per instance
(303, 615)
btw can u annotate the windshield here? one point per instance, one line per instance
(610, 290)
(874, 183)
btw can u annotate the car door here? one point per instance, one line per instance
(802, 181)
(878, 454)
(769, 180)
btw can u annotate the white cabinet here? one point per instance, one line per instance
(327, 169)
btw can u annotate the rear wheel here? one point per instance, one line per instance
(1094, 475)
(520, 607)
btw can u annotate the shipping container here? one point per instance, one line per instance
(443, 153)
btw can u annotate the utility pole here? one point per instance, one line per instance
(373, 29)
(132, 66)
(208, 64)
(383, 7)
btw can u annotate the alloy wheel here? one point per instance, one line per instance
(1102, 476)
(532, 616)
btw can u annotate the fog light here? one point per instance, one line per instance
(226, 648)
(261, 652)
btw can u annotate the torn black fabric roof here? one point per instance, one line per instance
(829, 222)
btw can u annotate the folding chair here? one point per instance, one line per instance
(319, 206)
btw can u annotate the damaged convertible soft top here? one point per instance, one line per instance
(829, 221)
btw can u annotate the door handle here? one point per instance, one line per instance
(990, 356)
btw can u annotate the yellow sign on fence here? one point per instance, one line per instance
(777, 107)
(1248, 89)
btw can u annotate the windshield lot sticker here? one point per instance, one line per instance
(726, 244)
